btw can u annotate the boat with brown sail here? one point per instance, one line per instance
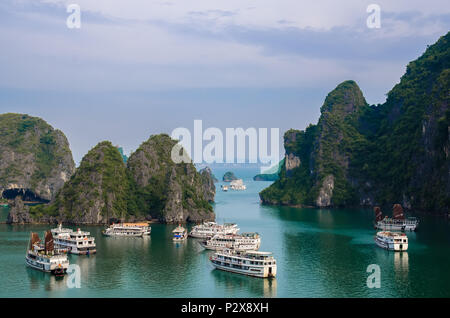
(398, 222)
(45, 257)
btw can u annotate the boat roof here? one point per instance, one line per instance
(136, 224)
(258, 253)
(391, 234)
(248, 234)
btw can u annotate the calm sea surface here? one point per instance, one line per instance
(320, 253)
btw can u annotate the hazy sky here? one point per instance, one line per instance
(136, 68)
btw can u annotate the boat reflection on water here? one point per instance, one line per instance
(40, 279)
(401, 262)
(236, 284)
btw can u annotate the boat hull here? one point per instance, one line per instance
(47, 268)
(123, 235)
(396, 247)
(262, 273)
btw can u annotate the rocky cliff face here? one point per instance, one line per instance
(104, 189)
(35, 159)
(167, 191)
(209, 189)
(97, 192)
(376, 155)
(317, 159)
(19, 213)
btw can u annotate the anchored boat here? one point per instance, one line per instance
(44, 257)
(392, 241)
(126, 230)
(209, 229)
(244, 241)
(252, 263)
(179, 234)
(79, 242)
(397, 223)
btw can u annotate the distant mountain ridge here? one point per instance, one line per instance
(375, 155)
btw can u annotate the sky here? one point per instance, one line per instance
(137, 68)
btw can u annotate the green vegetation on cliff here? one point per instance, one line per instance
(33, 155)
(98, 191)
(163, 189)
(322, 150)
(150, 186)
(406, 155)
(293, 187)
(385, 154)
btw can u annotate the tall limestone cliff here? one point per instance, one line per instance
(406, 157)
(208, 179)
(150, 186)
(96, 193)
(375, 155)
(317, 159)
(35, 159)
(165, 190)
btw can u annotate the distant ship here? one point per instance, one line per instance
(78, 242)
(238, 185)
(44, 257)
(209, 229)
(392, 241)
(244, 241)
(251, 263)
(397, 223)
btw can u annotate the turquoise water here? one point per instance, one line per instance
(320, 253)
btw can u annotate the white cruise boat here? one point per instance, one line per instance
(179, 234)
(252, 263)
(44, 257)
(124, 230)
(79, 242)
(209, 229)
(392, 241)
(397, 223)
(143, 225)
(244, 241)
(238, 185)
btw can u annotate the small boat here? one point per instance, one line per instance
(209, 229)
(224, 188)
(392, 241)
(397, 223)
(244, 241)
(45, 257)
(251, 263)
(79, 242)
(124, 231)
(179, 234)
